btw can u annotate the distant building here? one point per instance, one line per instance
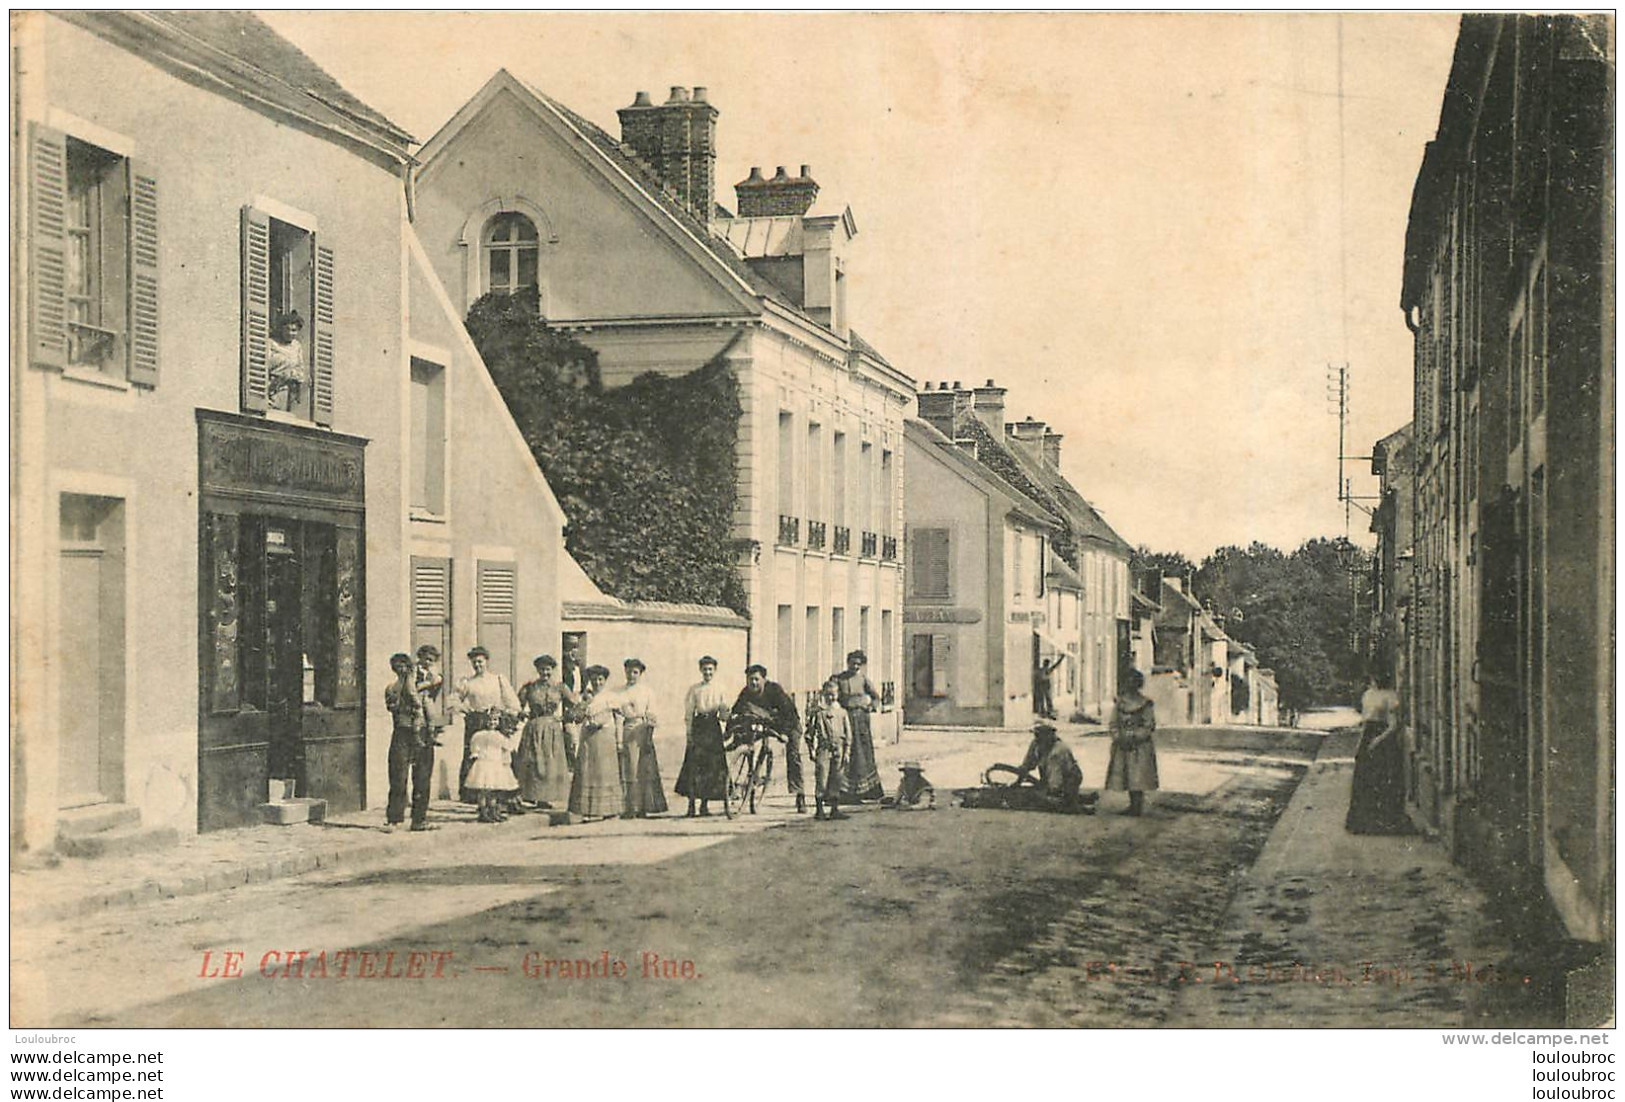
(1508, 287)
(621, 242)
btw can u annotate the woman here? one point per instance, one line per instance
(546, 754)
(1377, 802)
(595, 791)
(1133, 766)
(859, 699)
(645, 795)
(479, 697)
(704, 776)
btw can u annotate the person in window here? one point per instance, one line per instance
(544, 760)
(1133, 765)
(596, 791)
(480, 697)
(635, 701)
(859, 699)
(704, 776)
(285, 360)
(767, 701)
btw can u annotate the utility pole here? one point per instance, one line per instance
(1337, 400)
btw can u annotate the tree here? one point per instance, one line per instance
(645, 473)
(1169, 563)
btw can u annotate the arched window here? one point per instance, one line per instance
(510, 254)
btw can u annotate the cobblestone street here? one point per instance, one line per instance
(950, 917)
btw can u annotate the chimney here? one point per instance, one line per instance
(1052, 449)
(678, 140)
(1029, 435)
(988, 403)
(937, 409)
(783, 195)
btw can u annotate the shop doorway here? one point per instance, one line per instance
(90, 651)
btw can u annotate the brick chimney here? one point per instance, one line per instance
(1028, 435)
(1052, 449)
(988, 404)
(678, 140)
(782, 195)
(937, 409)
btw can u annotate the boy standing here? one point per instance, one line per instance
(829, 729)
(411, 747)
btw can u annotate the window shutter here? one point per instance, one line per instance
(942, 651)
(497, 600)
(322, 388)
(48, 248)
(928, 556)
(939, 562)
(431, 604)
(143, 342)
(256, 308)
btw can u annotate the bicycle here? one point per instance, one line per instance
(749, 771)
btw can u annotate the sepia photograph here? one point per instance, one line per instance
(887, 520)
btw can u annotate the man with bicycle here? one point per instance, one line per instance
(767, 701)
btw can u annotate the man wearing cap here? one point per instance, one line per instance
(477, 697)
(411, 747)
(767, 700)
(1059, 775)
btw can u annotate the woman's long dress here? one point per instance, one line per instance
(476, 697)
(1377, 799)
(645, 794)
(862, 774)
(596, 789)
(542, 762)
(1133, 765)
(704, 775)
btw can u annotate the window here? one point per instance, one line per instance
(814, 465)
(838, 487)
(1016, 567)
(884, 527)
(428, 442)
(930, 575)
(288, 351)
(93, 255)
(511, 252)
(787, 465)
(932, 665)
(812, 674)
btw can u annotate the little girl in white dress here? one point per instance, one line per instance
(491, 775)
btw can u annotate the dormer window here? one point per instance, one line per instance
(511, 251)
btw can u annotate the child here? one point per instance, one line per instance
(829, 730)
(431, 686)
(490, 776)
(913, 789)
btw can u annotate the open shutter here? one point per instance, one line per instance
(431, 604)
(48, 247)
(497, 600)
(143, 343)
(322, 388)
(256, 308)
(942, 651)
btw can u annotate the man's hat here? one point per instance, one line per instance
(906, 766)
(1044, 729)
(478, 652)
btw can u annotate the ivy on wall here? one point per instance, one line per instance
(645, 473)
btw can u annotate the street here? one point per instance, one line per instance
(946, 917)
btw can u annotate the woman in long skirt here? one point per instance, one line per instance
(1133, 766)
(704, 776)
(1377, 800)
(480, 696)
(859, 699)
(596, 792)
(645, 795)
(545, 758)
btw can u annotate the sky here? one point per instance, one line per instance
(1156, 230)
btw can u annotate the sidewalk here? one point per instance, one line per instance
(1330, 929)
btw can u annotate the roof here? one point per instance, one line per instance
(243, 49)
(989, 476)
(1062, 575)
(651, 612)
(864, 348)
(1143, 601)
(1087, 523)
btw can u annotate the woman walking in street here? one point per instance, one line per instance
(1377, 800)
(859, 699)
(704, 775)
(636, 702)
(1133, 766)
(546, 755)
(595, 791)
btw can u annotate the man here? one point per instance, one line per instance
(1044, 686)
(1059, 775)
(767, 700)
(411, 748)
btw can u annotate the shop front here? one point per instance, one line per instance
(281, 617)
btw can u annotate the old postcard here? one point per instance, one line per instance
(844, 520)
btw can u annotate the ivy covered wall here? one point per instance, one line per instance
(646, 473)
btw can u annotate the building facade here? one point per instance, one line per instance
(1508, 290)
(225, 522)
(622, 244)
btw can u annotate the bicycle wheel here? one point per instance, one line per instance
(739, 781)
(760, 775)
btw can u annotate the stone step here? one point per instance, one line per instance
(118, 842)
(95, 818)
(292, 811)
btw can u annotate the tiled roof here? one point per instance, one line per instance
(246, 38)
(1039, 508)
(992, 454)
(1086, 519)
